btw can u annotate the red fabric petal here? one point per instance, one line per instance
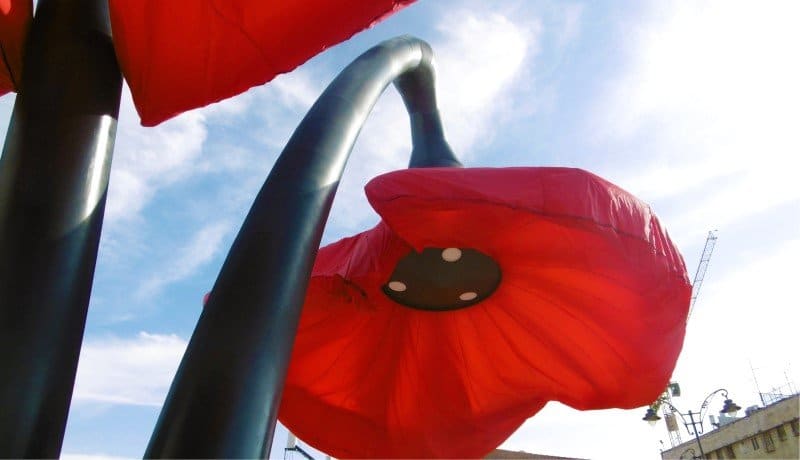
(594, 296)
(15, 18)
(580, 243)
(371, 378)
(182, 54)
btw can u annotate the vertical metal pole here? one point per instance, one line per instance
(225, 397)
(53, 182)
(696, 436)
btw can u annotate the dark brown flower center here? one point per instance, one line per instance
(443, 279)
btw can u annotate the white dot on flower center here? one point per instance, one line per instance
(451, 254)
(397, 286)
(468, 296)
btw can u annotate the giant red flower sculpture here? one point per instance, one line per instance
(482, 295)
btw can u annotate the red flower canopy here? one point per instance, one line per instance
(178, 55)
(589, 309)
(15, 17)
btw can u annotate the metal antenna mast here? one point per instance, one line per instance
(711, 241)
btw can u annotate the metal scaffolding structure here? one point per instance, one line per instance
(700, 274)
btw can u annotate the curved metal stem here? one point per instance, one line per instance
(224, 400)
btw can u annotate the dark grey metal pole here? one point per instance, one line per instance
(224, 400)
(53, 181)
(696, 434)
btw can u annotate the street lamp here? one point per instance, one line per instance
(693, 426)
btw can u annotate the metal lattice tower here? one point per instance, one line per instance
(674, 435)
(711, 241)
(669, 414)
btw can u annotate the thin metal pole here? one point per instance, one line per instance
(696, 436)
(224, 400)
(53, 181)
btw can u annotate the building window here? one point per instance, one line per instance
(781, 430)
(768, 444)
(754, 441)
(729, 451)
(795, 428)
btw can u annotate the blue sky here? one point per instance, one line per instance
(692, 106)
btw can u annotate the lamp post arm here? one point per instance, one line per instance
(224, 400)
(691, 422)
(682, 415)
(701, 415)
(704, 406)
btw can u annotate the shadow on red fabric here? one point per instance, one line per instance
(482, 295)
(15, 19)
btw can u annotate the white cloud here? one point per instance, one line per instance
(297, 89)
(714, 92)
(481, 55)
(147, 159)
(722, 58)
(134, 371)
(199, 250)
(729, 200)
(571, 22)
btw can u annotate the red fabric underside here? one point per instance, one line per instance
(182, 54)
(591, 311)
(15, 18)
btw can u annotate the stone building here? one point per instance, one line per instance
(766, 432)
(501, 454)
